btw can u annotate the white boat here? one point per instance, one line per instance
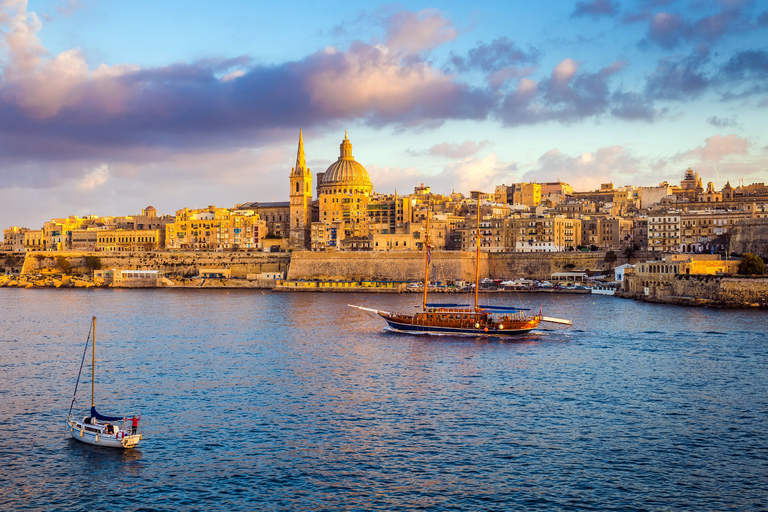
(603, 289)
(95, 428)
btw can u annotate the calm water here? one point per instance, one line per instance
(294, 401)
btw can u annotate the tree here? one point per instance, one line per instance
(629, 252)
(751, 264)
(63, 264)
(610, 257)
(93, 263)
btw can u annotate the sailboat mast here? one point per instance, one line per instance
(93, 365)
(426, 261)
(477, 253)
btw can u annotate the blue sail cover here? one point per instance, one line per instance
(95, 414)
(495, 308)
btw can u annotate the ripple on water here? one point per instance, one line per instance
(284, 402)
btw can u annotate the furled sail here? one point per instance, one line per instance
(95, 414)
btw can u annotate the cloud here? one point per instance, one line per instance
(747, 64)
(461, 150)
(69, 7)
(414, 32)
(633, 106)
(670, 29)
(474, 174)
(679, 78)
(499, 54)
(55, 107)
(595, 8)
(94, 178)
(717, 148)
(587, 170)
(724, 122)
(570, 95)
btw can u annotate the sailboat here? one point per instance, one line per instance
(459, 319)
(98, 429)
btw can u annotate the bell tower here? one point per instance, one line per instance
(301, 201)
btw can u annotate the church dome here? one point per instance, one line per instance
(345, 170)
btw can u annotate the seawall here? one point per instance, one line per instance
(447, 265)
(172, 263)
(710, 290)
(381, 266)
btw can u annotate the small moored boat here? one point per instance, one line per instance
(95, 428)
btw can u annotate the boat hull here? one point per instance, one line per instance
(408, 325)
(89, 435)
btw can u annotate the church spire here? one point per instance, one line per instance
(301, 164)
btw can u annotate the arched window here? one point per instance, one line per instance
(297, 186)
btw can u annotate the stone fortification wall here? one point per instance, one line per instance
(384, 266)
(704, 289)
(722, 290)
(172, 263)
(11, 262)
(448, 265)
(751, 235)
(543, 265)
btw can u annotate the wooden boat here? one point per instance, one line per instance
(461, 319)
(95, 428)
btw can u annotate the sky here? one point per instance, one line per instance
(107, 107)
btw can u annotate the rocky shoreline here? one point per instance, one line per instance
(59, 281)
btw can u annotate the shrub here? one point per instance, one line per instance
(751, 264)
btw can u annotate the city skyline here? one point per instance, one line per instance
(110, 107)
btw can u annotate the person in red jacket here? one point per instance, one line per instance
(135, 424)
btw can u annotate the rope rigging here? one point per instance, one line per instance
(82, 362)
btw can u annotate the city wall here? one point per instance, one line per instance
(447, 265)
(172, 263)
(703, 289)
(751, 235)
(733, 291)
(382, 266)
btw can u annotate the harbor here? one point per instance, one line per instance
(327, 395)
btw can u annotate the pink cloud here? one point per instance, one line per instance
(612, 164)
(460, 150)
(413, 32)
(717, 147)
(564, 72)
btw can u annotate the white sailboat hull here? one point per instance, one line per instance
(95, 435)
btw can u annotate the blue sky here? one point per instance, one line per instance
(107, 107)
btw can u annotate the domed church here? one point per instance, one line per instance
(343, 192)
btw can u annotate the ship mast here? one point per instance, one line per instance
(426, 261)
(93, 364)
(477, 253)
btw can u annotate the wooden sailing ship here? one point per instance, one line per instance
(461, 319)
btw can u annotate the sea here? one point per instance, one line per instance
(251, 400)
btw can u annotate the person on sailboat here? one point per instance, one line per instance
(135, 424)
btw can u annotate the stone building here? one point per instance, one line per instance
(664, 231)
(344, 193)
(13, 238)
(215, 228)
